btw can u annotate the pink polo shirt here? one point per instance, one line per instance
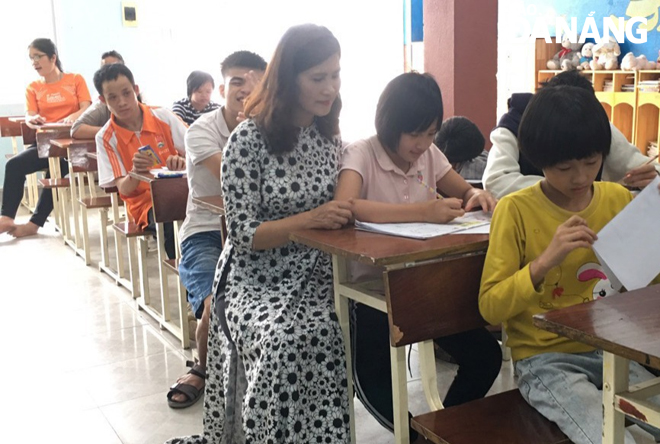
(383, 181)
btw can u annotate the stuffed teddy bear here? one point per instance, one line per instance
(605, 55)
(587, 53)
(632, 63)
(568, 57)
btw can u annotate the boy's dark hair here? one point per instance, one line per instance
(563, 123)
(197, 79)
(112, 53)
(459, 139)
(410, 103)
(570, 78)
(111, 72)
(242, 59)
(47, 47)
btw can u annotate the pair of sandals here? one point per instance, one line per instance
(191, 392)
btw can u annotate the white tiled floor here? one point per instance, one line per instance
(82, 365)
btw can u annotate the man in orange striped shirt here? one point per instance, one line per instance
(133, 125)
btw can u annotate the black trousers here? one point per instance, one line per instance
(19, 166)
(168, 228)
(477, 353)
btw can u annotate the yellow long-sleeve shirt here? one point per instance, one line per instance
(522, 227)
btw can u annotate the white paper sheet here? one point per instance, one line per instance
(470, 221)
(629, 245)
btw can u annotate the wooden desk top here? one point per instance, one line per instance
(9, 128)
(214, 204)
(381, 250)
(68, 143)
(53, 127)
(92, 155)
(626, 325)
(17, 119)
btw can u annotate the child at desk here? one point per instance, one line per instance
(385, 177)
(540, 258)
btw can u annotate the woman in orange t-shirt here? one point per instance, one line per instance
(57, 97)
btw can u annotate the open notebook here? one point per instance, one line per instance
(476, 222)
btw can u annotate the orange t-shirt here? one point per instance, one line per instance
(55, 101)
(161, 129)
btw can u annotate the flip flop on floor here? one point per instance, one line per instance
(190, 391)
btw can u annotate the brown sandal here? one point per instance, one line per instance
(190, 391)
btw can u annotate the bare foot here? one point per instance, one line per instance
(24, 230)
(6, 224)
(191, 379)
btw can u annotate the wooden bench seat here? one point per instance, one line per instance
(130, 229)
(54, 183)
(505, 418)
(96, 202)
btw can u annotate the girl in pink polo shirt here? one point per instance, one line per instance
(391, 177)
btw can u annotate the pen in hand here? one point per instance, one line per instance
(420, 179)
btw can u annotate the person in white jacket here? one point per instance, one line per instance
(507, 172)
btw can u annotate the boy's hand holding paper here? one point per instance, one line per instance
(627, 247)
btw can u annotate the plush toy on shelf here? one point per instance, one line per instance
(605, 55)
(587, 52)
(568, 57)
(632, 63)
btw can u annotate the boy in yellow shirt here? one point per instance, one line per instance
(540, 258)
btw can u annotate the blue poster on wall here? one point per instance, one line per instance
(630, 12)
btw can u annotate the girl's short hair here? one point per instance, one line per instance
(197, 79)
(563, 123)
(47, 47)
(302, 47)
(410, 103)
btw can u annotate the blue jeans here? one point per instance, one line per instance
(566, 388)
(199, 259)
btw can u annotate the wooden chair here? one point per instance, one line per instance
(170, 198)
(57, 184)
(504, 418)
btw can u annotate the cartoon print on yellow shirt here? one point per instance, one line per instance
(603, 287)
(643, 8)
(590, 271)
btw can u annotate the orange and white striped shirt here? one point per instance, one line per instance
(116, 146)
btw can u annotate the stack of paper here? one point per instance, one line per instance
(476, 222)
(627, 247)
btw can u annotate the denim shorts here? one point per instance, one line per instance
(199, 258)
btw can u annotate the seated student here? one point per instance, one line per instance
(198, 102)
(57, 97)
(90, 122)
(385, 177)
(463, 144)
(507, 171)
(200, 234)
(133, 125)
(540, 238)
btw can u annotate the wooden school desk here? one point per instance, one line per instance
(11, 127)
(76, 153)
(169, 197)
(627, 328)
(428, 289)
